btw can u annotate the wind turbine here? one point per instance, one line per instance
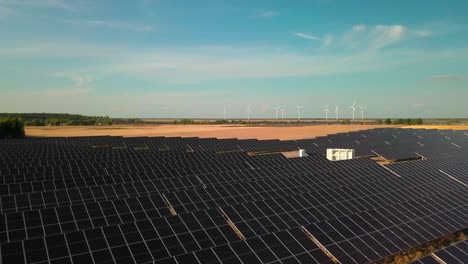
(249, 110)
(224, 114)
(276, 111)
(337, 112)
(362, 111)
(326, 110)
(282, 113)
(354, 108)
(299, 112)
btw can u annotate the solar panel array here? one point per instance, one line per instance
(192, 200)
(456, 254)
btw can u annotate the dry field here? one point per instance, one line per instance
(204, 131)
(440, 127)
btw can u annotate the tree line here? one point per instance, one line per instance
(52, 119)
(404, 121)
(11, 128)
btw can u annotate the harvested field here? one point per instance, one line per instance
(203, 131)
(441, 127)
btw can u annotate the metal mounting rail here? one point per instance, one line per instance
(453, 178)
(319, 245)
(169, 205)
(438, 259)
(198, 178)
(232, 225)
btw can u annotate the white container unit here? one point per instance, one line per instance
(302, 153)
(340, 154)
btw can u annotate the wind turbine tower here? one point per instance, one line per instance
(337, 111)
(249, 111)
(354, 109)
(326, 110)
(363, 108)
(277, 109)
(299, 112)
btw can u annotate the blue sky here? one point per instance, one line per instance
(169, 58)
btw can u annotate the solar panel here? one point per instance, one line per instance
(191, 200)
(457, 253)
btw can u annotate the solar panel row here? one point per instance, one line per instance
(191, 200)
(456, 254)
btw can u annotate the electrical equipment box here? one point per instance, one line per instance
(340, 154)
(302, 153)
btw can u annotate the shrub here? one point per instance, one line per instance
(184, 122)
(12, 128)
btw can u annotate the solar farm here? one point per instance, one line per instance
(205, 200)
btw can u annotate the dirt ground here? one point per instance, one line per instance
(440, 127)
(203, 131)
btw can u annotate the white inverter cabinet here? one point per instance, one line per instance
(302, 153)
(340, 154)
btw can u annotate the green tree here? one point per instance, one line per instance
(36, 122)
(12, 128)
(417, 121)
(346, 122)
(388, 121)
(137, 121)
(184, 122)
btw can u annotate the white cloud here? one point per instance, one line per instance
(373, 37)
(81, 85)
(198, 64)
(423, 33)
(384, 35)
(327, 40)
(112, 24)
(80, 81)
(447, 77)
(358, 28)
(58, 4)
(58, 48)
(266, 13)
(307, 36)
(68, 92)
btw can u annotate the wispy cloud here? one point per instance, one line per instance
(379, 36)
(198, 65)
(417, 105)
(371, 37)
(58, 4)
(447, 77)
(266, 13)
(423, 33)
(326, 40)
(358, 28)
(80, 85)
(68, 92)
(307, 36)
(374, 37)
(112, 25)
(385, 35)
(59, 48)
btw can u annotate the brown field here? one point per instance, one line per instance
(203, 131)
(440, 127)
